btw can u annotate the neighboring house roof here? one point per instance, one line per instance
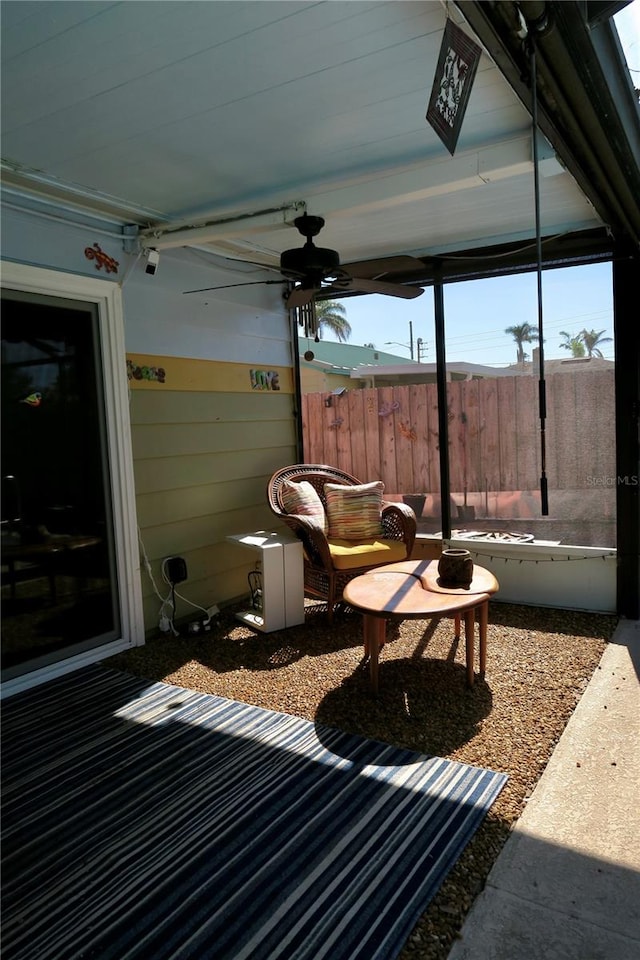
(386, 375)
(390, 374)
(371, 367)
(563, 364)
(332, 363)
(347, 355)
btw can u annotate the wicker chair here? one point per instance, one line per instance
(330, 564)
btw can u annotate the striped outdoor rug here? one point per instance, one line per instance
(141, 820)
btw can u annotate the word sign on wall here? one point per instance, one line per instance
(137, 372)
(264, 380)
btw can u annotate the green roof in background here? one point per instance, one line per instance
(347, 355)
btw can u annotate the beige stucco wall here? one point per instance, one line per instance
(313, 380)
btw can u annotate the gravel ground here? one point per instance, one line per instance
(538, 665)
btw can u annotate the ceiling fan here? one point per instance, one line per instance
(315, 270)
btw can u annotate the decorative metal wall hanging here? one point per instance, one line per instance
(102, 259)
(407, 431)
(33, 400)
(457, 64)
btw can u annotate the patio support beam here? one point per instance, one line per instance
(443, 410)
(465, 171)
(473, 169)
(627, 389)
(233, 226)
(575, 92)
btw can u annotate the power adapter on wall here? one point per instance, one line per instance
(176, 570)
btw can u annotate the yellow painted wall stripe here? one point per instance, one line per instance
(152, 372)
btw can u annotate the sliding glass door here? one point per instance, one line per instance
(59, 586)
(68, 523)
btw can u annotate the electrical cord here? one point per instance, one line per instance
(254, 578)
(169, 599)
(173, 594)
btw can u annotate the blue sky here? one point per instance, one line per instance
(627, 23)
(479, 311)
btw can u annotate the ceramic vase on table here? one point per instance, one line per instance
(455, 567)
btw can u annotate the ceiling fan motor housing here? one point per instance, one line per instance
(309, 261)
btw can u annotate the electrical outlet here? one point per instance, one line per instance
(213, 611)
(176, 569)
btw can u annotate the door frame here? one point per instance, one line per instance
(107, 297)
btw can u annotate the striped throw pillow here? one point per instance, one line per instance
(354, 512)
(302, 499)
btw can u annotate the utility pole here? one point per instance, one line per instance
(422, 347)
(388, 343)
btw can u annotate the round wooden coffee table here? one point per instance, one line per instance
(411, 590)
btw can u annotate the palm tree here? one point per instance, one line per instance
(330, 314)
(573, 343)
(591, 339)
(523, 333)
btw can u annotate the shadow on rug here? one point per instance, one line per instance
(144, 820)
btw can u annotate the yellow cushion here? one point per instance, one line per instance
(347, 555)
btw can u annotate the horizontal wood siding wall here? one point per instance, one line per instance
(391, 433)
(202, 459)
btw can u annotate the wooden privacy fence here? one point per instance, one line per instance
(391, 433)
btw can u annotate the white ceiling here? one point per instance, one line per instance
(178, 113)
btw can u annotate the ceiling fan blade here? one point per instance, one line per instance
(227, 286)
(299, 296)
(379, 286)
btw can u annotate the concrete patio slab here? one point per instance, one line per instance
(567, 884)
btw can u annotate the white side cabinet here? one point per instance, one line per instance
(279, 558)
